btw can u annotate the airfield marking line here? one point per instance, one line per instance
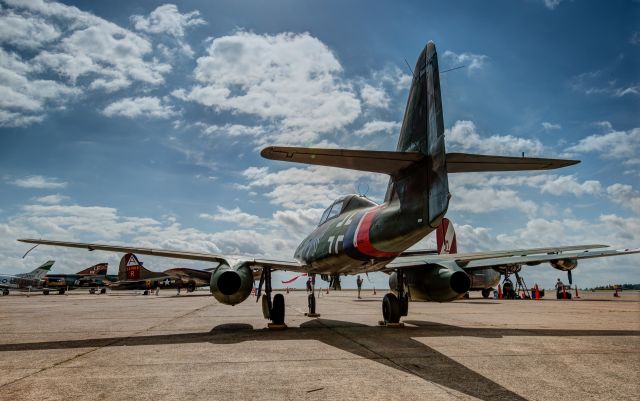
(80, 355)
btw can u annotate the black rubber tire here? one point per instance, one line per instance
(277, 311)
(191, 287)
(45, 292)
(391, 310)
(61, 292)
(146, 292)
(5, 292)
(312, 303)
(486, 292)
(103, 291)
(92, 290)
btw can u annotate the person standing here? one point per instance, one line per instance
(359, 281)
(309, 289)
(559, 289)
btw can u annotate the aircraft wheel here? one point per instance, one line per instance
(146, 292)
(92, 291)
(103, 291)
(486, 292)
(5, 292)
(312, 303)
(45, 292)
(191, 287)
(61, 292)
(391, 310)
(277, 311)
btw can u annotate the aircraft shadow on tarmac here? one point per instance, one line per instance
(394, 348)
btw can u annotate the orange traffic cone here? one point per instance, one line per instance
(564, 292)
(537, 292)
(577, 295)
(499, 292)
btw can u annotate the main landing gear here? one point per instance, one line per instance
(272, 310)
(312, 299)
(395, 306)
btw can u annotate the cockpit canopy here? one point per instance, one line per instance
(345, 204)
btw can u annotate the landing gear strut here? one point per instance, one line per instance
(394, 307)
(312, 298)
(272, 310)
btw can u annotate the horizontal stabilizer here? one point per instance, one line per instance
(363, 160)
(470, 163)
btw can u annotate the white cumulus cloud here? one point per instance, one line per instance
(472, 62)
(293, 79)
(39, 182)
(146, 106)
(464, 135)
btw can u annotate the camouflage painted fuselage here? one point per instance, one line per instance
(363, 236)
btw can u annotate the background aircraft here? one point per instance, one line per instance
(355, 235)
(133, 276)
(26, 281)
(92, 277)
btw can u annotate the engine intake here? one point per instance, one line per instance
(231, 285)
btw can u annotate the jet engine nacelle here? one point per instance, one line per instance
(564, 264)
(434, 283)
(231, 285)
(484, 278)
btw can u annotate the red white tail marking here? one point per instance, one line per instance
(446, 238)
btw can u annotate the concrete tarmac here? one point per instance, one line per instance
(125, 346)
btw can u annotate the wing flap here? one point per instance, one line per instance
(292, 265)
(470, 163)
(464, 259)
(587, 254)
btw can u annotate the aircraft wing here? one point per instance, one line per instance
(482, 260)
(291, 265)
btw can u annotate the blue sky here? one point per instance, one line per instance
(140, 122)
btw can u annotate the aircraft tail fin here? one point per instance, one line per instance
(131, 269)
(446, 238)
(40, 271)
(96, 270)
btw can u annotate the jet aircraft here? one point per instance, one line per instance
(355, 235)
(26, 281)
(92, 277)
(133, 276)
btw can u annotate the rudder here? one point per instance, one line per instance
(423, 131)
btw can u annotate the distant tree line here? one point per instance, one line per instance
(620, 286)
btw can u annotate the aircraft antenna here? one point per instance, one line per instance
(452, 69)
(366, 191)
(409, 67)
(30, 249)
